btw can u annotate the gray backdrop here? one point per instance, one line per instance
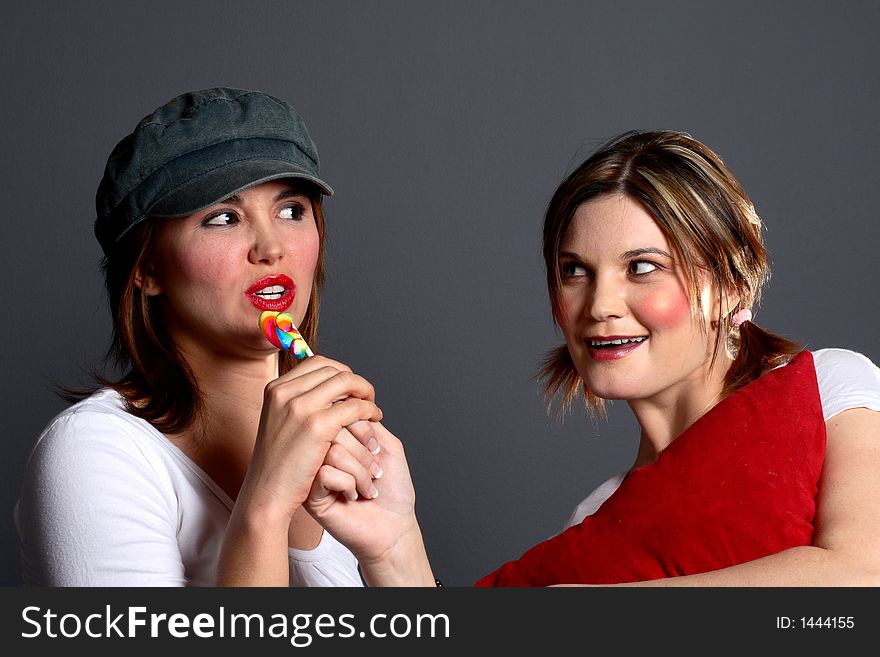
(444, 128)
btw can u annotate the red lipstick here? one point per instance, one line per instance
(275, 292)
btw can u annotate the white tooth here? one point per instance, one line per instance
(618, 341)
(272, 289)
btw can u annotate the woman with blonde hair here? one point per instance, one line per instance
(758, 461)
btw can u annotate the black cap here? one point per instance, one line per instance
(198, 149)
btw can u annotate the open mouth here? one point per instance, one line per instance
(616, 343)
(275, 292)
(614, 347)
(271, 292)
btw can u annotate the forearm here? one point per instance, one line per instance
(254, 551)
(406, 564)
(800, 566)
(847, 521)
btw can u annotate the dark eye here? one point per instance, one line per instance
(294, 211)
(225, 218)
(641, 267)
(570, 269)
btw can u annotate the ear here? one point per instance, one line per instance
(729, 301)
(147, 281)
(723, 305)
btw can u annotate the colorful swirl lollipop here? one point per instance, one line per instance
(280, 331)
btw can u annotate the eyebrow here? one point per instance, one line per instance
(289, 192)
(635, 253)
(628, 255)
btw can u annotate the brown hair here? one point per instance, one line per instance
(708, 219)
(159, 385)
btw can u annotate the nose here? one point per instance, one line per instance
(608, 299)
(267, 247)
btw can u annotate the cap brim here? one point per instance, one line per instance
(219, 184)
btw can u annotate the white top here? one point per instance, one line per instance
(108, 500)
(847, 379)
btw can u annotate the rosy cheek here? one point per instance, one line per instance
(309, 258)
(196, 257)
(562, 311)
(304, 252)
(664, 307)
(209, 269)
(558, 313)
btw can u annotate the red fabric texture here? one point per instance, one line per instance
(738, 484)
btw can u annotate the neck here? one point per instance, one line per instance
(221, 440)
(232, 386)
(666, 416)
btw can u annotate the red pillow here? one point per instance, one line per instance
(738, 484)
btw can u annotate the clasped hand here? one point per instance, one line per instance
(320, 445)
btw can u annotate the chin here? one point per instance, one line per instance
(613, 396)
(612, 390)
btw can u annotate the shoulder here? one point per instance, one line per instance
(98, 427)
(847, 379)
(94, 448)
(594, 500)
(834, 360)
(93, 488)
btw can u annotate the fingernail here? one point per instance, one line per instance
(373, 445)
(353, 496)
(375, 470)
(374, 492)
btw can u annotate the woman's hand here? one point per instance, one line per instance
(382, 530)
(305, 413)
(304, 416)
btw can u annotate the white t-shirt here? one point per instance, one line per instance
(847, 379)
(107, 500)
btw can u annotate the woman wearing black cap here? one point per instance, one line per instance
(194, 466)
